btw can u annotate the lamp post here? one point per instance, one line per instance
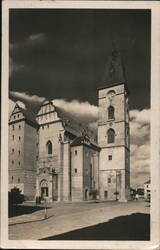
(45, 209)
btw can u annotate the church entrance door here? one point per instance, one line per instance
(105, 194)
(44, 192)
(44, 189)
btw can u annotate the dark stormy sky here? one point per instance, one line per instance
(62, 53)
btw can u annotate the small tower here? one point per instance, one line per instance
(23, 138)
(113, 133)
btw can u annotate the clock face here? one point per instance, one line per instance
(111, 94)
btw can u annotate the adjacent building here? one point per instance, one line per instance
(147, 189)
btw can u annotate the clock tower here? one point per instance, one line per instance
(113, 135)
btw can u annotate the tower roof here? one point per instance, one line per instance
(29, 116)
(114, 71)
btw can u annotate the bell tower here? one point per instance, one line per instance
(113, 133)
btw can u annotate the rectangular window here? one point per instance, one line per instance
(109, 180)
(75, 170)
(109, 157)
(12, 150)
(75, 152)
(13, 137)
(19, 126)
(19, 138)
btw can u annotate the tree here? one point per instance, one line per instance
(15, 197)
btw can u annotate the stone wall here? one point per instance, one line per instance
(77, 173)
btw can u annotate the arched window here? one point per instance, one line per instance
(49, 147)
(110, 112)
(111, 135)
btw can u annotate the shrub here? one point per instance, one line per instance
(15, 197)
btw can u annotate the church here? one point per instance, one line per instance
(52, 155)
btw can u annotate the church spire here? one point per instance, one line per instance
(114, 70)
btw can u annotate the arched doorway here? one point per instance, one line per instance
(44, 188)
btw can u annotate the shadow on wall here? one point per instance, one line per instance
(130, 227)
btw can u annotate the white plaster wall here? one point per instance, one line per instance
(118, 158)
(77, 178)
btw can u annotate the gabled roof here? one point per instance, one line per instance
(71, 122)
(28, 115)
(86, 141)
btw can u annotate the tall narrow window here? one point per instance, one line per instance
(110, 112)
(109, 180)
(111, 135)
(49, 147)
(109, 157)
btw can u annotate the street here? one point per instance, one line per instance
(66, 217)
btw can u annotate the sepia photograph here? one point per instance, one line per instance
(79, 118)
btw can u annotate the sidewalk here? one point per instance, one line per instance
(72, 220)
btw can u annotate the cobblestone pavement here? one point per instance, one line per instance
(64, 217)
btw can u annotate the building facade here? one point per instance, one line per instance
(113, 139)
(53, 155)
(147, 189)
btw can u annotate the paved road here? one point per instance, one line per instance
(66, 217)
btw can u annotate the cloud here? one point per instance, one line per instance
(31, 40)
(140, 126)
(141, 116)
(140, 146)
(14, 67)
(36, 38)
(32, 102)
(87, 113)
(83, 111)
